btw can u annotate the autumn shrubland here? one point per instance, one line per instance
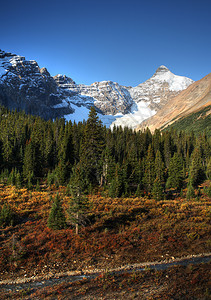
(117, 232)
(81, 197)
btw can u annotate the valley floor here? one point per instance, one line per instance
(120, 231)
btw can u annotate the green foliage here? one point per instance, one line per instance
(197, 122)
(207, 191)
(157, 190)
(149, 170)
(175, 172)
(14, 178)
(7, 217)
(196, 172)
(92, 148)
(78, 204)
(118, 160)
(190, 192)
(56, 219)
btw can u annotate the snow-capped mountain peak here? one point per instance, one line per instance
(175, 83)
(24, 85)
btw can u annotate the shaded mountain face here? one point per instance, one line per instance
(188, 101)
(24, 86)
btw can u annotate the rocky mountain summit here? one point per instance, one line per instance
(24, 86)
(195, 97)
(129, 105)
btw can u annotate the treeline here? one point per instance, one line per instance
(122, 161)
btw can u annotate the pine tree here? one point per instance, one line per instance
(29, 160)
(78, 205)
(190, 192)
(149, 170)
(56, 219)
(92, 148)
(196, 171)
(159, 167)
(208, 171)
(157, 190)
(7, 217)
(175, 172)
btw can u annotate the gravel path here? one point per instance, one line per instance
(36, 282)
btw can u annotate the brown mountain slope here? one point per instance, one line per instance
(194, 97)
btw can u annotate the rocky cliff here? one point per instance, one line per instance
(24, 86)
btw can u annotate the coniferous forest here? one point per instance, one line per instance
(121, 161)
(82, 196)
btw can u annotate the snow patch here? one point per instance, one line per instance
(140, 112)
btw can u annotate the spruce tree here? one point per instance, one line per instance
(92, 148)
(159, 167)
(196, 171)
(175, 172)
(149, 170)
(56, 219)
(7, 217)
(157, 190)
(78, 205)
(190, 192)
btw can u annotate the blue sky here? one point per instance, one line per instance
(122, 41)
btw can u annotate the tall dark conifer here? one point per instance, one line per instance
(92, 148)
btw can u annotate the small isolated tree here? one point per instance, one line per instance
(78, 202)
(56, 219)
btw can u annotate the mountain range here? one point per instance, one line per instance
(159, 100)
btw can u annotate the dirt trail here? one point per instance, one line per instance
(51, 279)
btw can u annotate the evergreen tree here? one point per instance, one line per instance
(175, 172)
(149, 170)
(190, 192)
(56, 219)
(208, 171)
(159, 167)
(78, 202)
(29, 160)
(157, 190)
(196, 171)
(92, 148)
(7, 217)
(168, 148)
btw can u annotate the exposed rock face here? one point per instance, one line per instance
(160, 88)
(190, 100)
(150, 96)
(107, 96)
(24, 86)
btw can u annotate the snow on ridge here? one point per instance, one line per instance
(176, 83)
(140, 112)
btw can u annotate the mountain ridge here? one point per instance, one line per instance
(191, 99)
(26, 86)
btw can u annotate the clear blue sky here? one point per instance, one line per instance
(122, 41)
